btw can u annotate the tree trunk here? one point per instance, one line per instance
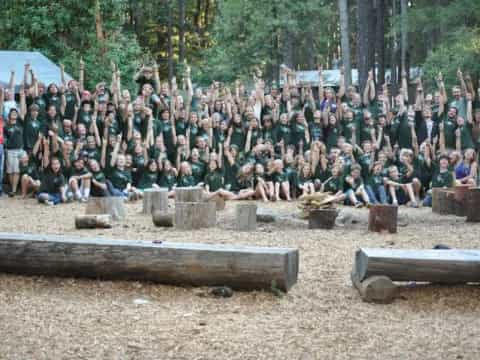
(380, 41)
(155, 200)
(322, 218)
(404, 34)
(394, 53)
(246, 217)
(239, 267)
(441, 266)
(181, 33)
(473, 205)
(99, 27)
(345, 42)
(112, 205)
(363, 41)
(170, 41)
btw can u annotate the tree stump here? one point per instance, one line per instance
(383, 218)
(103, 221)
(112, 205)
(246, 216)
(188, 194)
(447, 202)
(473, 205)
(219, 202)
(155, 200)
(461, 197)
(162, 218)
(436, 194)
(195, 215)
(322, 218)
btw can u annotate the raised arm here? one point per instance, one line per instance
(81, 77)
(463, 86)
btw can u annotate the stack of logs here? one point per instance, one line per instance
(462, 200)
(319, 209)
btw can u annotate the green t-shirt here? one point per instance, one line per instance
(186, 181)
(167, 180)
(30, 170)
(31, 129)
(214, 180)
(120, 178)
(147, 180)
(50, 182)
(198, 171)
(442, 179)
(14, 136)
(333, 185)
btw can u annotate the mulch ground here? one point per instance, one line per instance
(322, 317)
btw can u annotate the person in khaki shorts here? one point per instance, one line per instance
(14, 147)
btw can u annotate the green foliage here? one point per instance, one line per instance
(460, 51)
(64, 30)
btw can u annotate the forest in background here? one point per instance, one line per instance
(227, 39)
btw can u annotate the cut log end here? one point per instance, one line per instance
(103, 221)
(162, 219)
(376, 289)
(322, 218)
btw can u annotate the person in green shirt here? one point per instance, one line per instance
(13, 133)
(463, 134)
(185, 177)
(52, 182)
(400, 191)
(374, 185)
(99, 181)
(197, 166)
(80, 181)
(442, 178)
(305, 180)
(29, 177)
(31, 128)
(447, 130)
(333, 132)
(214, 180)
(149, 177)
(119, 181)
(353, 187)
(334, 184)
(168, 176)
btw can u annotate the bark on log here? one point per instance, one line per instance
(239, 267)
(473, 205)
(461, 197)
(155, 200)
(195, 215)
(93, 221)
(188, 194)
(378, 289)
(246, 217)
(436, 193)
(162, 219)
(383, 218)
(446, 199)
(440, 266)
(112, 205)
(219, 202)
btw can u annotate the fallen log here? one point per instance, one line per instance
(379, 289)
(439, 266)
(162, 219)
(103, 221)
(238, 267)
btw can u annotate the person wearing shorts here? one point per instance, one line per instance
(14, 147)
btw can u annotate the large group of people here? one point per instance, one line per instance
(64, 143)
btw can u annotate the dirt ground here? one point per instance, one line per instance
(322, 317)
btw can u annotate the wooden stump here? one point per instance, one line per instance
(195, 215)
(461, 197)
(378, 289)
(103, 221)
(383, 218)
(473, 205)
(188, 194)
(322, 218)
(219, 202)
(155, 200)
(162, 218)
(447, 202)
(112, 205)
(246, 216)
(436, 194)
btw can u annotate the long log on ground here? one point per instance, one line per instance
(439, 266)
(112, 205)
(103, 221)
(383, 218)
(239, 267)
(473, 205)
(155, 200)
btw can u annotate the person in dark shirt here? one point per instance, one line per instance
(52, 183)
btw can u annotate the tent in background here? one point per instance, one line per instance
(45, 70)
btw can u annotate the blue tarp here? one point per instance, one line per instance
(45, 70)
